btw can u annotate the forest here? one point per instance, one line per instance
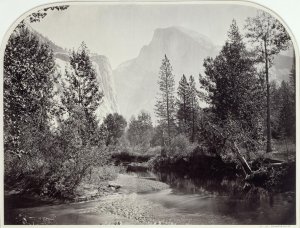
(54, 144)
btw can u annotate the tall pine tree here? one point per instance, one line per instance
(166, 102)
(268, 37)
(193, 108)
(231, 85)
(183, 105)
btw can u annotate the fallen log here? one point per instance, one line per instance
(232, 145)
(258, 176)
(243, 161)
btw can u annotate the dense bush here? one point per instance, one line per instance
(100, 174)
(52, 138)
(154, 151)
(140, 130)
(60, 177)
(180, 146)
(114, 125)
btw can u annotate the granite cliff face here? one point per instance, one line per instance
(136, 80)
(106, 80)
(104, 75)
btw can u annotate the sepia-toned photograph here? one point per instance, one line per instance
(149, 114)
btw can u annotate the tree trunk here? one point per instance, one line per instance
(243, 161)
(269, 147)
(168, 111)
(168, 121)
(232, 145)
(193, 120)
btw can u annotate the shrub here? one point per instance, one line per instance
(99, 174)
(153, 151)
(180, 146)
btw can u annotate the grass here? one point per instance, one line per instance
(284, 150)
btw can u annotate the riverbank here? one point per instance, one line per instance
(165, 198)
(269, 173)
(113, 203)
(161, 190)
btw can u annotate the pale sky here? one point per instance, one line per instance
(120, 31)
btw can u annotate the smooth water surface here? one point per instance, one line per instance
(186, 201)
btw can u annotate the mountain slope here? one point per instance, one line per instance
(136, 79)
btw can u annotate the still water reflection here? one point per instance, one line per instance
(186, 201)
(227, 198)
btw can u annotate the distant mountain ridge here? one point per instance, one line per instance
(136, 79)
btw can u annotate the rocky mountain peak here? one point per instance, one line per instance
(136, 79)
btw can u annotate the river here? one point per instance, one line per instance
(168, 198)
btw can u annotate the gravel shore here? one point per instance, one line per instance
(131, 184)
(118, 204)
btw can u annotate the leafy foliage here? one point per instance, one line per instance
(81, 90)
(40, 126)
(234, 90)
(30, 105)
(180, 146)
(158, 136)
(140, 130)
(28, 87)
(283, 111)
(268, 38)
(114, 124)
(83, 87)
(37, 16)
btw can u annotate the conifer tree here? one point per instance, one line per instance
(81, 90)
(287, 115)
(293, 97)
(166, 102)
(268, 37)
(283, 111)
(183, 104)
(293, 75)
(193, 107)
(230, 85)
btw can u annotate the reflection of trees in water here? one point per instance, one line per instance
(245, 202)
(231, 188)
(235, 198)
